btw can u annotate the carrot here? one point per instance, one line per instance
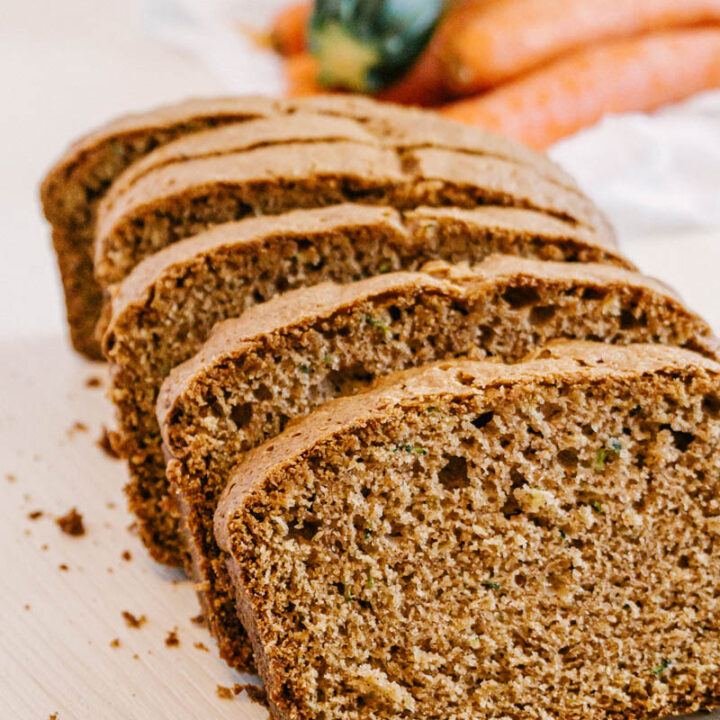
(289, 28)
(503, 39)
(638, 74)
(301, 79)
(301, 72)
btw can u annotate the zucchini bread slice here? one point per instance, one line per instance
(472, 539)
(282, 358)
(72, 189)
(166, 307)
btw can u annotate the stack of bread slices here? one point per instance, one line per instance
(430, 446)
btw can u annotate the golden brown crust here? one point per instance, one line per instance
(160, 118)
(407, 127)
(239, 137)
(564, 360)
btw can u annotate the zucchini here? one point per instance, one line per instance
(365, 45)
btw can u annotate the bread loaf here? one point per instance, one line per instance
(478, 540)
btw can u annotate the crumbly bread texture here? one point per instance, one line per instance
(165, 308)
(474, 540)
(283, 358)
(73, 188)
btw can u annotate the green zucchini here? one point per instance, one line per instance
(365, 45)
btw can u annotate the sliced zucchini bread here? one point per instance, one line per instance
(283, 358)
(74, 187)
(166, 307)
(475, 540)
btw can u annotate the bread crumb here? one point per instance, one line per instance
(110, 505)
(136, 656)
(198, 619)
(126, 555)
(35, 514)
(254, 692)
(93, 381)
(713, 525)
(132, 621)
(105, 443)
(77, 427)
(115, 643)
(10, 477)
(201, 646)
(44, 546)
(63, 566)
(27, 607)
(132, 528)
(224, 693)
(71, 523)
(172, 639)
(53, 716)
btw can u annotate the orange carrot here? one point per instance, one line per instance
(638, 74)
(301, 72)
(289, 28)
(505, 38)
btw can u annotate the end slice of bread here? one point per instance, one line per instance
(478, 540)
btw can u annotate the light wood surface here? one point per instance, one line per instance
(57, 625)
